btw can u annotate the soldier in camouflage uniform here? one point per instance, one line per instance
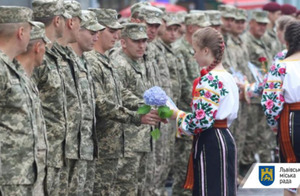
(227, 17)
(158, 166)
(185, 50)
(170, 27)
(26, 62)
(49, 80)
(214, 19)
(270, 37)
(110, 111)
(87, 36)
(258, 137)
(19, 134)
(77, 146)
(136, 78)
(237, 59)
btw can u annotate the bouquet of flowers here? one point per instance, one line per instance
(157, 98)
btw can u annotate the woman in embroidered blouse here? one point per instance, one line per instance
(215, 105)
(281, 97)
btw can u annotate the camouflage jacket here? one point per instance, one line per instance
(68, 70)
(272, 42)
(110, 113)
(257, 49)
(87, 133)
(150, 61)
(238, 56)
(18, 130)
(49, 80)
(38, 122)
(192, 71)
(160, 57)
(133, 76)
(175, 69)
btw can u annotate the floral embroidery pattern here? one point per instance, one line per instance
(272, 97)
(204, 106)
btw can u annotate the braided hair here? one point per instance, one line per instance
(212, 39)
(292, 37)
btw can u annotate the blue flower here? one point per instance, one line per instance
(155, 96)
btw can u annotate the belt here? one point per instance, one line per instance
(284, 139)
(220, 123)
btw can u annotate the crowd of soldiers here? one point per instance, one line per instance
(71, 82)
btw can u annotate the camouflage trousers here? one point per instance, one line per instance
(130, 174)
(81, 177)
(239, 128)
(259, 138)
(106, 172)
(162, 155)
(16, 190)
(181, 157)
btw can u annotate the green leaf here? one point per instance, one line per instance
(145, 109)
(164, 112)
(155, 134)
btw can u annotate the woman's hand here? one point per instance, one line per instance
(174, 116)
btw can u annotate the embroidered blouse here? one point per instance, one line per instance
(255, 89)
(283, 86)
(216, 98)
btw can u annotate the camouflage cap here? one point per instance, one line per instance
(15, 14)
(171, 19)
(73, 8)
(135, 8)
(181, 15)
(107, 17)
(135, 31)
(196, 11)
(49, 8)
(260, 16)
(240, 14)
(38, 32)
(89, 21)
(214, 17)
(197, 18)
(151, 15)
(227, 11)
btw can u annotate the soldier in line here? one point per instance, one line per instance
(87, 36)
(157, 167)
(183, 144)
(110, 113)
(25, 63)
(49, 80)
(237, 58)
(270, 37)
(227, 18)
(259, 138)
(74, 143)
(18, 128)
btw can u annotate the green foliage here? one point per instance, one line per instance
(164, 112)
(145, 109)
(155, 134)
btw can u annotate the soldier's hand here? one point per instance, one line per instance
(151, 118)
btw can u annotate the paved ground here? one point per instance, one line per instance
(252, 192)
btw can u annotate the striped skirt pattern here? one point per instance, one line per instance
(294, 129)
(215, 164)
